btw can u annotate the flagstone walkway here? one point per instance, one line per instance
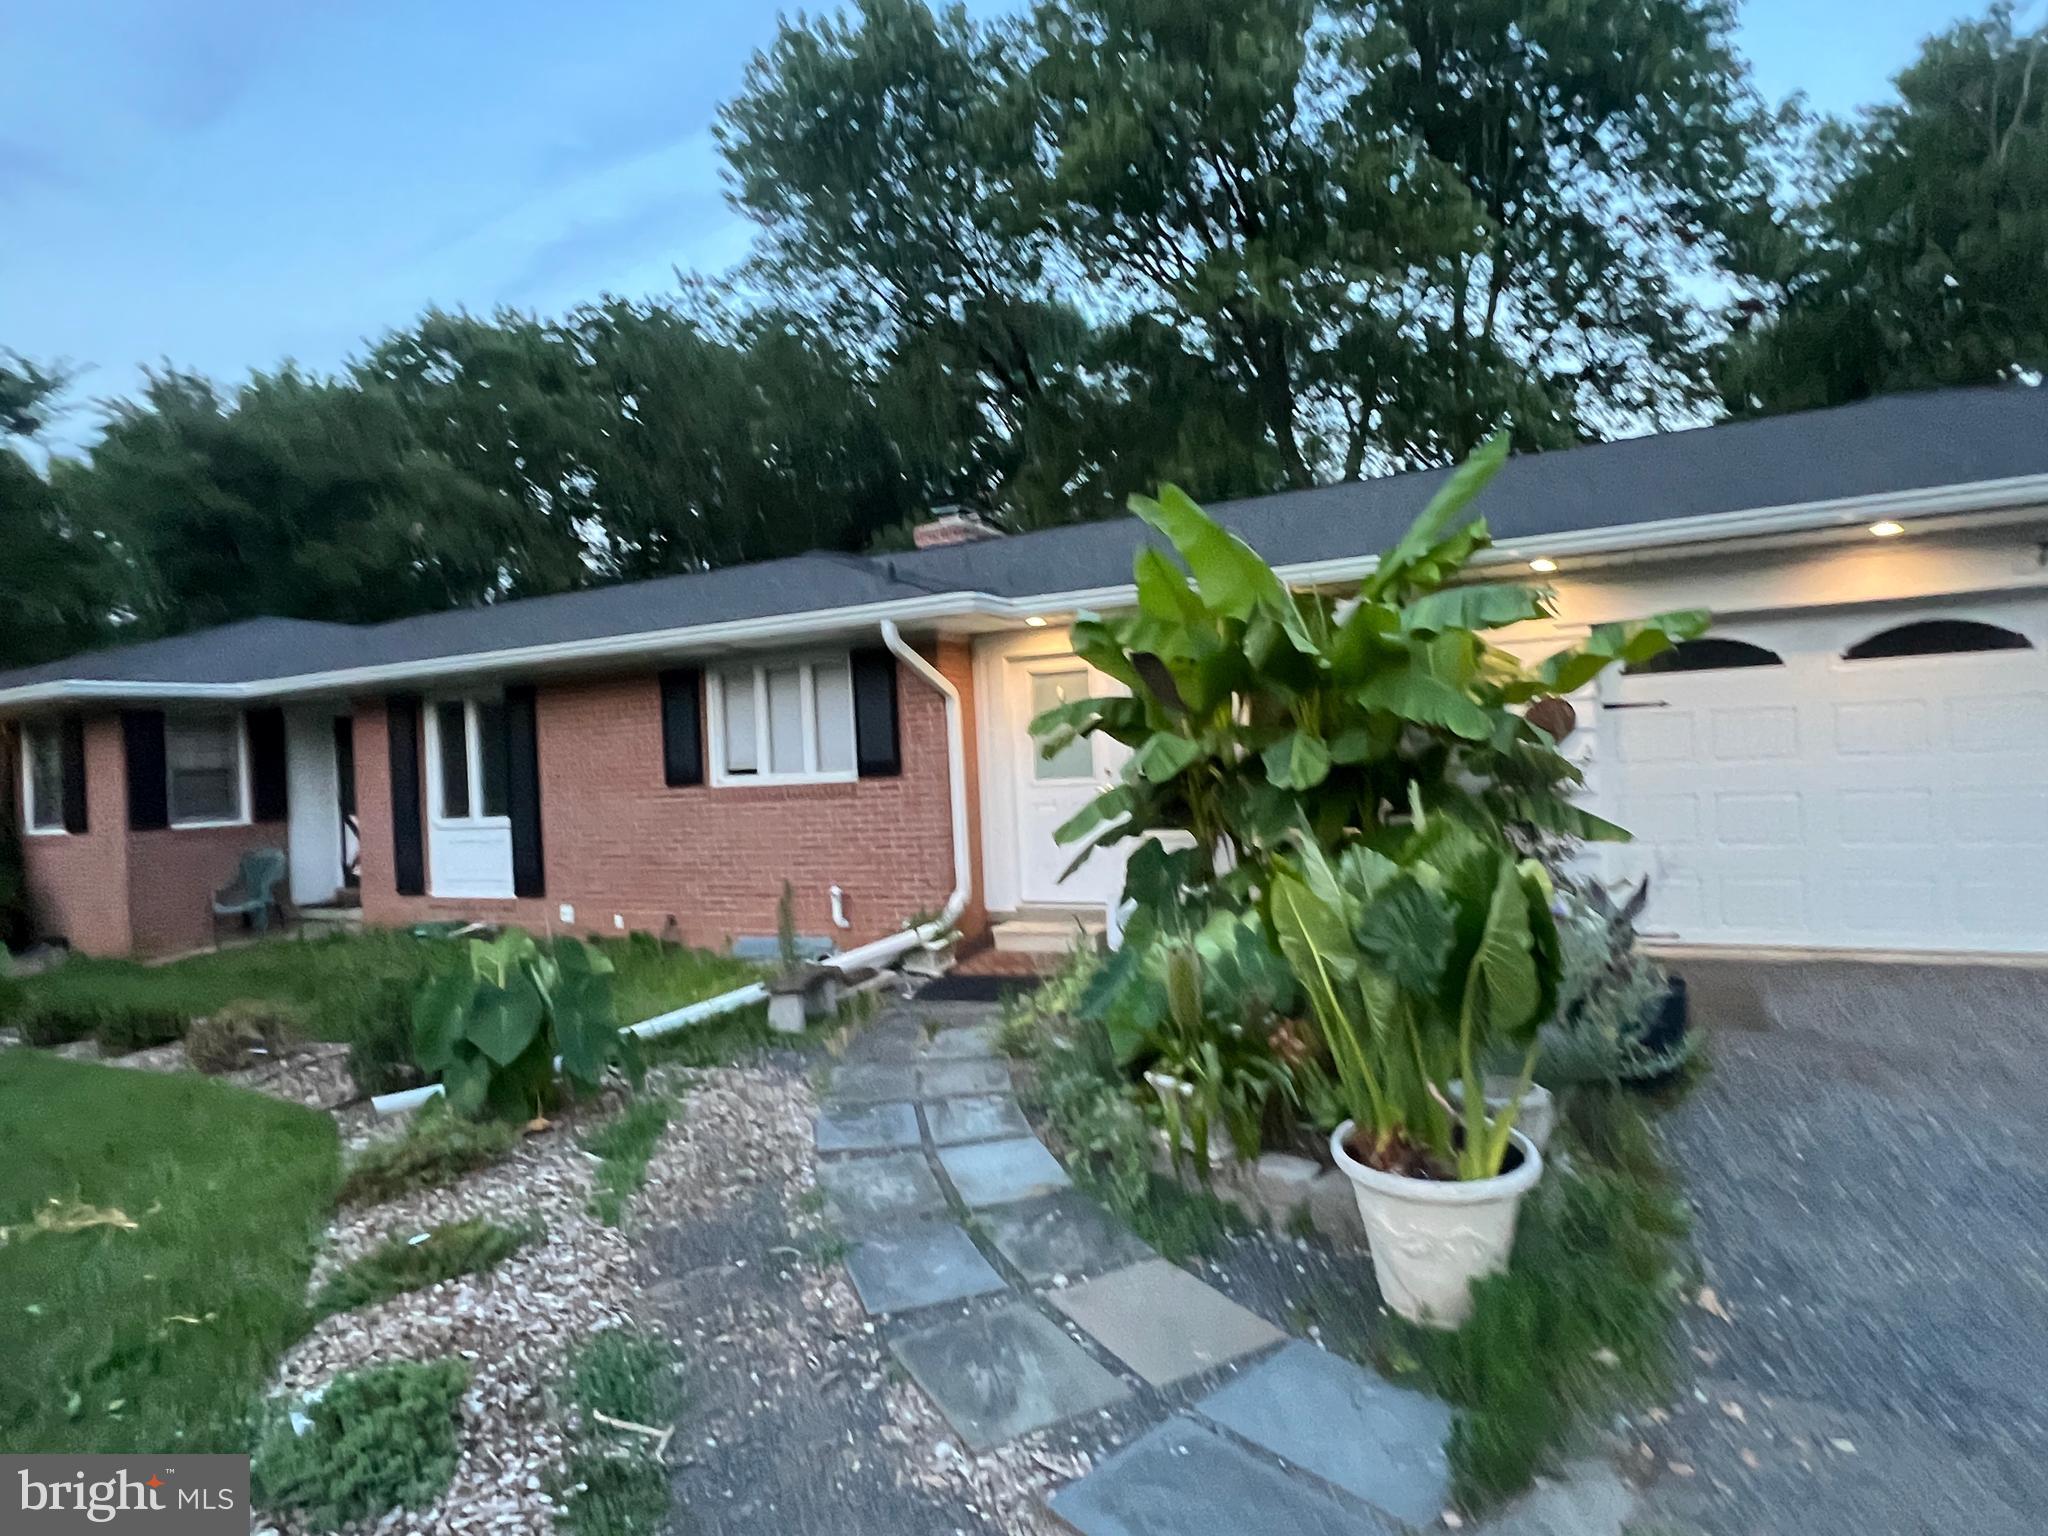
(1017, 1303)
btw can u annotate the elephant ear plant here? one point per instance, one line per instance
(495, 1029)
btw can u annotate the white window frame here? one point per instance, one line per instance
(473, 759)
(241, 722)
(30, 733)
(806, 664)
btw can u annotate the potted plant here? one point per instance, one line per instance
(932, 955)
(1211, 1078)
(1419, 965)
(799, 990)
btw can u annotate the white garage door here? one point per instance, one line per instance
(1862, 781)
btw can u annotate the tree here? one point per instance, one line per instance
(57, 582)
(1917, 254)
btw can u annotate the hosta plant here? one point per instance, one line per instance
(495, 1029)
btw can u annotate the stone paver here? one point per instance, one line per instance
(971, 1042)
(871, 1082)
(920, 1266)
(866, 1127)
(982, 1117)
(1348, 1426)
(1005, 1373)
(871, 1192)
(1590, 1499)
(1164, 1323)
(997, 1172)
(1185, 1477)
(947, 1079)
(1062, 1234)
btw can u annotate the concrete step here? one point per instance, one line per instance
(1047, 935)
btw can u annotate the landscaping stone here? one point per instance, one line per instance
(972, 1042)
(983, 1117)
(1005, 1373)
(920, 1266)
(998, 1172)
(950, 1078)
(1062, 1234)
(1381, 1442)
(1282, 1182)
(872, 1082)
(1185, 1477)
(870, 1192)
(866, 1127)
(1164, 1323)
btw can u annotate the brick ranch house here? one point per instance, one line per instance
(1855, 758)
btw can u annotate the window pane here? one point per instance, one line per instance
(493, 749)
(785, 720)
(833, 687)
(452, 742)
(46, 779)
(741, 755)
(205, 765)
(1076, 760)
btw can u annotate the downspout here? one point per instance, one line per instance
(867, 956)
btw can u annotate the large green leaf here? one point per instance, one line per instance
(1430, 529)
(439, 1012)
(1630, 643)
(466, 1079)
(1417, 696)
(1485, 606)
(586, 1024)
(1503, 989)
(1406, 932)
(1231, 577)
(1164, 756)
(503, 1020)
(1298, 760)
(1163, 591)
(1105, 807)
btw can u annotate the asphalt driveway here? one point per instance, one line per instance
(1867, 1160)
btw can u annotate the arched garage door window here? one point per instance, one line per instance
(1713, 653)
(1936, 637)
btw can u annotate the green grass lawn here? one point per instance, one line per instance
(156, 1338)
(327, 982)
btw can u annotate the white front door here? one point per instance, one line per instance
(469, 833)
(1050, 790)
(313, 798)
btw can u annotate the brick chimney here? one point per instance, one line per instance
(952, 525)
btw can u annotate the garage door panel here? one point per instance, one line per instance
(1889, 726)
(1757, 905)
(1652, 735)
(1883, 818)
(1998, 817)
(1875, 908)
(2008, 723)
(1759, 820)
(1757, 734)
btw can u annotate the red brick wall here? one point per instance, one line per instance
(79, 884)
(617, 840)
(109, 891)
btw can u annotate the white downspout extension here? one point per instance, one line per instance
(881, 951)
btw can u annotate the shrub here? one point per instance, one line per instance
(409, 1264)
(45, 1025)
(378, 1028)
(118, 1027)
(623, 1145)
(627, 1374)
(380, 1439)
(613, 1495)
(237, 1036)
(436, 1148)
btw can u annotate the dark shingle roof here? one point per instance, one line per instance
(1895, 444)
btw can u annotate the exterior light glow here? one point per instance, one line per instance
(1036, 621)
(1887, 529)
(1543, 565)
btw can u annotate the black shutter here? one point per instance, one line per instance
(877, 750)
(408, 852)
(268, 796)
(71, 745)
(682, 727)
(522, 790)
(142, 737)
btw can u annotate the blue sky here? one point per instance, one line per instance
(225, 183)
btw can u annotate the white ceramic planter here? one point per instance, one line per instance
(1431, 1238)
(1538, 1114)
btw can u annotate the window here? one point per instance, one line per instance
(1715, 653)
(783, 722)
(205, 770)
(1936, 637)
(1075, 760)
(43, 777)
(471, 760)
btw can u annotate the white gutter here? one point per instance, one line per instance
(2016, 494)
(867, 956)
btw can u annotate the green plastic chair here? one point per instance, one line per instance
(253, 891)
